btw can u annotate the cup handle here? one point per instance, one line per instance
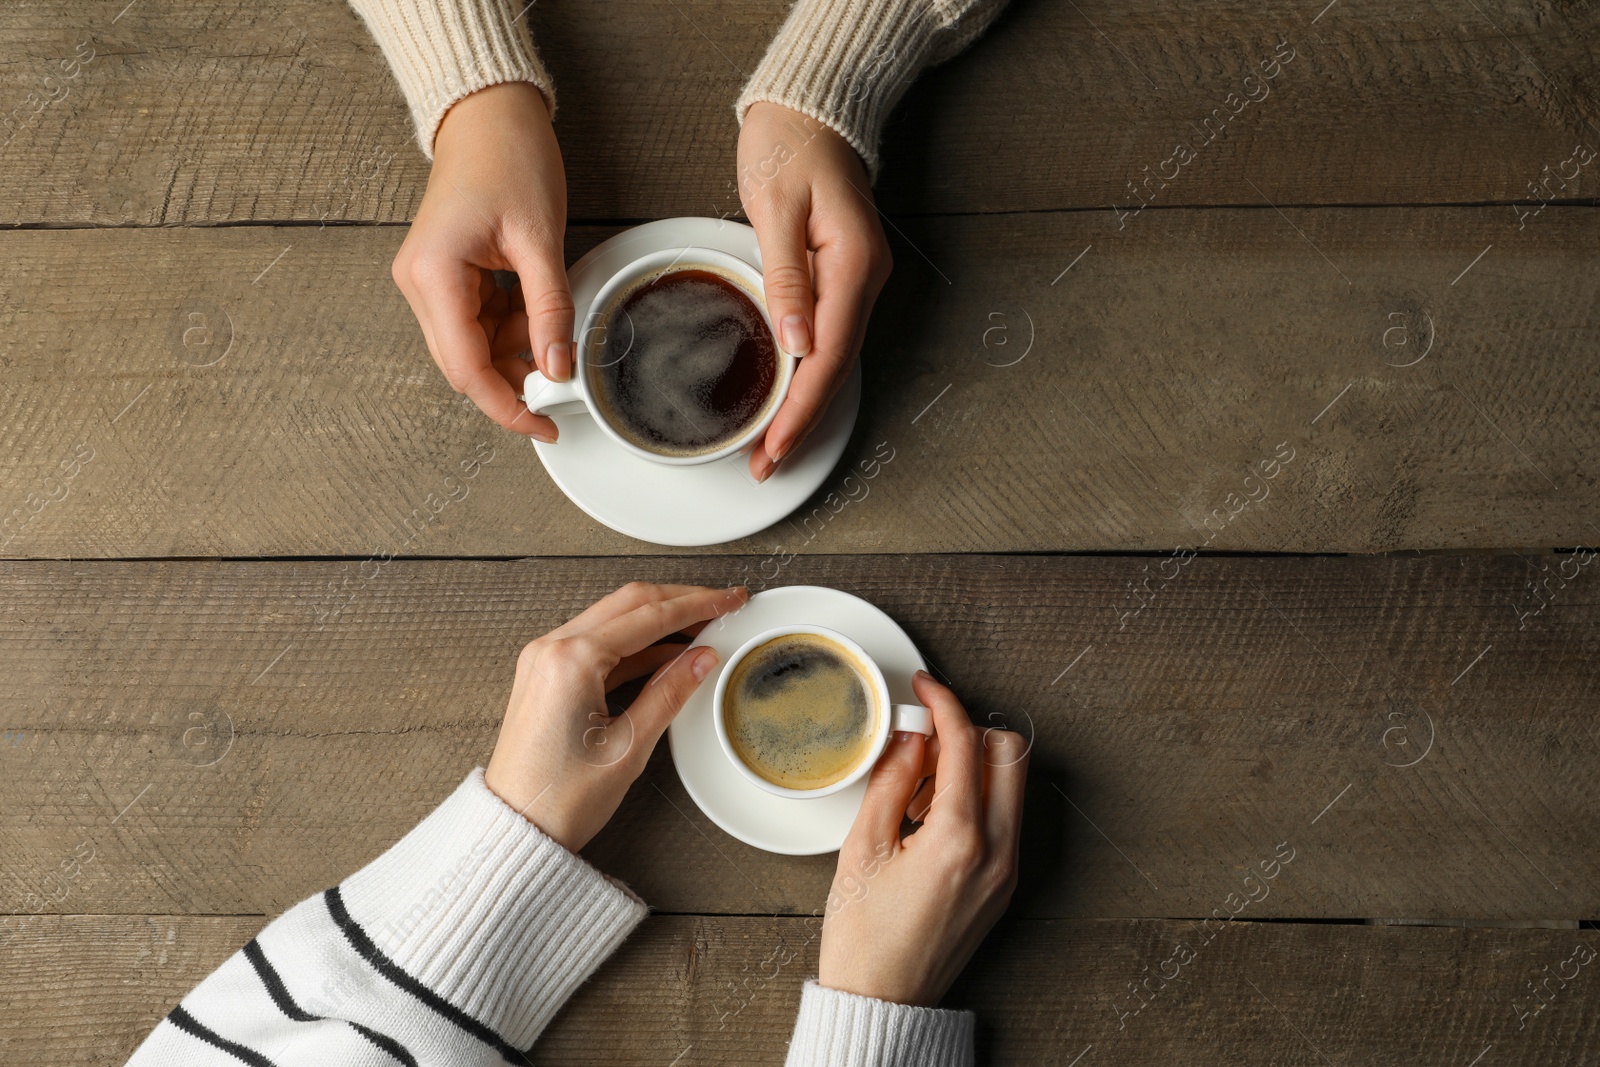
(913, 718)
(545, 397)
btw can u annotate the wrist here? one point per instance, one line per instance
(793, 131)
(526, 802)
(887, 988)
(493, 106)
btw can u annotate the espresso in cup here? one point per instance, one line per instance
(686, 365)
(801, 711)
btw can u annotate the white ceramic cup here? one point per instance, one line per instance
(890, 717)
(543, 396)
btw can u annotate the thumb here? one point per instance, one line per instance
(889, 791)
(547, 299)
(786, 274)
(666, 693)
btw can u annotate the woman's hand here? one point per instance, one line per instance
(904, 916)
(496, 200)
(823, 255)
(561, 759)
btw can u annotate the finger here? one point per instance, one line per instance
(1005, 772)
(845, 290)
(960, 769)
(547, 301)
(786, 271)
(646, 662)
(650, 622)
(930, 757)
(621, 601)
(889, 791)
(917, 810)
(664, 697)
(492, 308)
(511, 339)
(516, 371)
(450, 294)
(508, 331)
(816, 380)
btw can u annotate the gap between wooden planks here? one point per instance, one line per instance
(1416, 730)
(265, 391)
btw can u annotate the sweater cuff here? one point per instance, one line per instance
(481, 907)
(845, 63)
(845, 1030)
(443, 50)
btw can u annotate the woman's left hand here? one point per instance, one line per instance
(823, 255)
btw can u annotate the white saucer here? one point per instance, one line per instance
(681, 506)
(743, 809)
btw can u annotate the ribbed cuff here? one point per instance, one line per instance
(443, 50)
(844, 1030)
(484, 909)
(845, 63)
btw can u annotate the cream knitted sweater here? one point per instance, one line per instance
(845, 63)
(455, 948)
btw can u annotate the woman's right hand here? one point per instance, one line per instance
(496, 200)
(562, 760)
(905, 915)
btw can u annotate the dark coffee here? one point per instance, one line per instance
(687, 364)
(800, 711)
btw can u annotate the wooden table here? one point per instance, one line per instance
(1382, 661)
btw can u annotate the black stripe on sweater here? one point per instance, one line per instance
(387, 1044)
(395, 973)
(192, 1026)
(280, 996)
(275, 987)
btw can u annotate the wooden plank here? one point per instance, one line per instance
(265, 391)
(237, 111)
(1252, 704)
(724, 991)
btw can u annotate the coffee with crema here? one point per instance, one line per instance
(685, 364)
(801, 711)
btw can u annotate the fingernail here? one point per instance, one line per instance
(781, 451)
(922, 676)
(543, 437)
(766, 471)
(902, 736)
(796, 335)
(740, 591)
(703, 663)
(558, 357)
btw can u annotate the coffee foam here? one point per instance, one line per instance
(800, 711)
(696, 343)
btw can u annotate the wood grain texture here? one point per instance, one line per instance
(265, 391)
(232, 112)
(1252, 704)
(724, 991)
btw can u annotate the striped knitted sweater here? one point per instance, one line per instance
(456, 947)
